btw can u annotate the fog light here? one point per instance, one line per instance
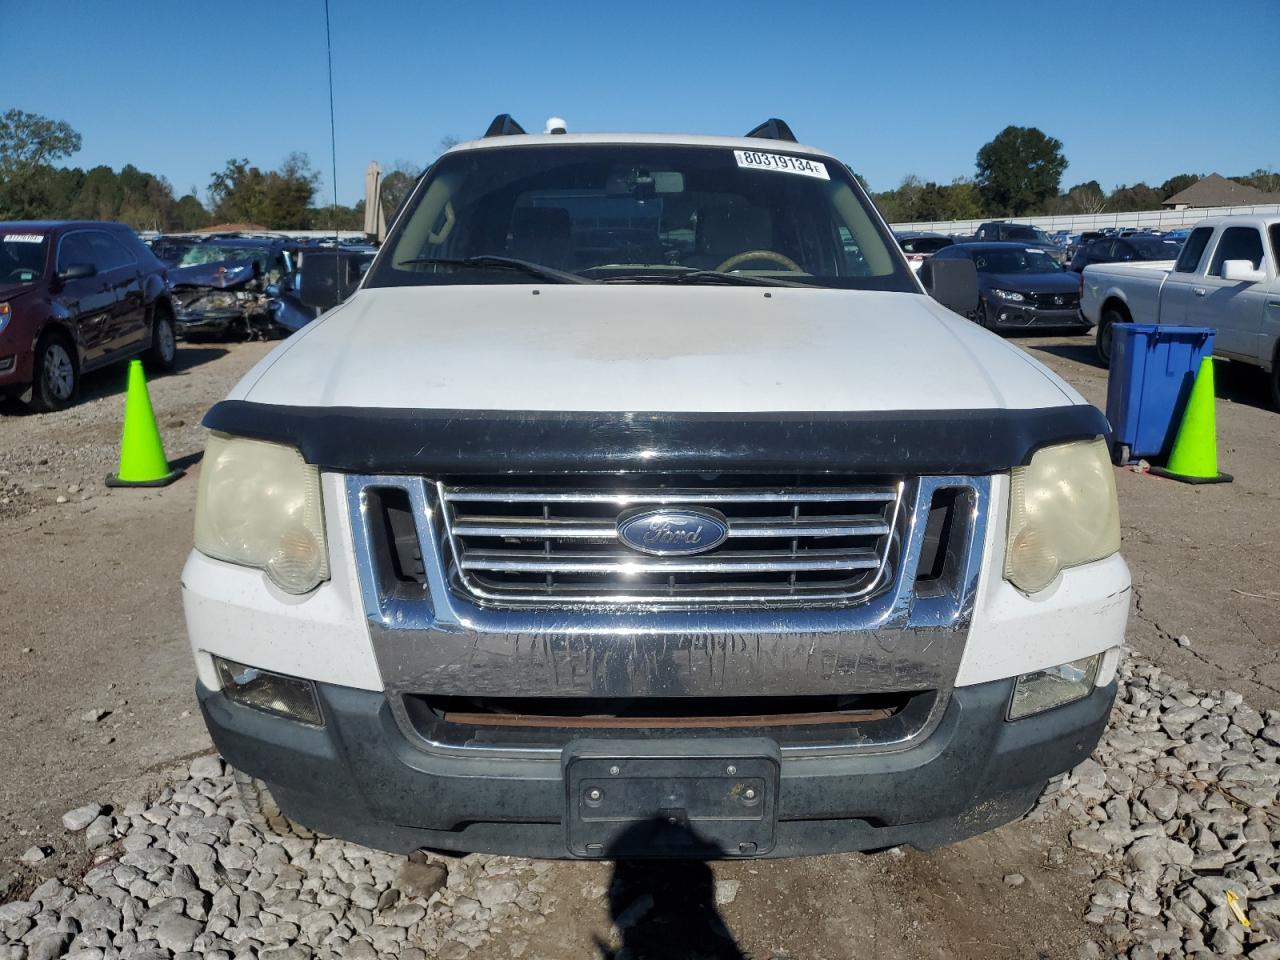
(1045, 689)
(269, 692)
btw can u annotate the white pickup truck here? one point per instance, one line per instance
(1227, 277)
(641, 502)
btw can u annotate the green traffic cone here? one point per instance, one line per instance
(142, 459)
(1195, 449)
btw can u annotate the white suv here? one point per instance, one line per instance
(642, 503)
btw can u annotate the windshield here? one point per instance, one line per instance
(216, 252)
(1156, 249)
(639, 212)
(1015, 261)
(925, 244)
(22, 257)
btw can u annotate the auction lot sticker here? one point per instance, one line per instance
(24, 238)
(780, 162)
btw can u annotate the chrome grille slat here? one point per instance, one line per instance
(877, 494)
(568, 529)
(540, 542)
(632, 563)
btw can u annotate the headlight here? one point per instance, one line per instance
(1011, 295)
(1062, 512)
(1046, 689)
(5, 314)
(259, 505)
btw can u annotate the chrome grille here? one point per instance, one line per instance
(1045, 301)
(540, 543)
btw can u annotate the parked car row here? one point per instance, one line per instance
(76, 296)
(1026, 276)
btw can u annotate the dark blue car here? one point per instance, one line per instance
(1019, 286)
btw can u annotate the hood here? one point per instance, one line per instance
(1068, 282)
(648, 348)
(221, 274)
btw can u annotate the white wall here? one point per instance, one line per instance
(1155, 219)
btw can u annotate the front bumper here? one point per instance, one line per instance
(359, 778)
(206, 323)
(1008, 315)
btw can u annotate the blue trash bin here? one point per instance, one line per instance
(1152, 370)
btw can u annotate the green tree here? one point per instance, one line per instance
(344, 218)
(964, 200)
(189, 213)
(1265, 180)
(280, 199)
(1137, 197)
(396, 186)
(29, 144)
(1019, 171)
(1179, 183)
(1088, 197)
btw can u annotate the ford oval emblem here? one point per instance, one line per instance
(673, 532)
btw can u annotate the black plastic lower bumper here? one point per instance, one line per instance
(359, 778)
(206, 323)
(1005, 316)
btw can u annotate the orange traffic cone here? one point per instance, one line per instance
(142, 459)
(1194, 458)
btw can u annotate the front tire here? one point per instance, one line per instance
(1106, 335)
(57, 373)
(162, 355)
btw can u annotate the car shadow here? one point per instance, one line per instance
(1083, 352)
(113, 379)
(665, 909)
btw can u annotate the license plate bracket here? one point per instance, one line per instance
(688, 798)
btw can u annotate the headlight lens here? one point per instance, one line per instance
(1011, 295)
(1045, 689)
(1062, 512)
(5, 314)
(259, 505)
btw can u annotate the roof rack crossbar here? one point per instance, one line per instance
(773, 129)
(504, 125)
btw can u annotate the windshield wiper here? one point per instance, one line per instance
(502, 263)
(705, 276)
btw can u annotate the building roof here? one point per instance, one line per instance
(1218, 191)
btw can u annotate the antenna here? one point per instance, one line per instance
(333, 136)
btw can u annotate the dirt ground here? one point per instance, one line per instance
(96, 702)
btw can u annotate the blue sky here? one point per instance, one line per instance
(1133, 90)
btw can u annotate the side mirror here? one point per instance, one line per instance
(82, 271)
(1242, 271)
(953, 283)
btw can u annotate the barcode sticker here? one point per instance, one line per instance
(781, 163)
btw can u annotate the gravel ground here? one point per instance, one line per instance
(97, 711)
(1176, 810)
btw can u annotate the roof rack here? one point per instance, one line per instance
(773, 129)
(504, 125)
